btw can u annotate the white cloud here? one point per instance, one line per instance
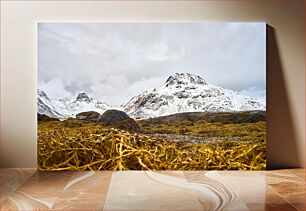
(56, 88)
(115, 61)
(256, 92)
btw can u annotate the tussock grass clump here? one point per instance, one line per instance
(72, 146)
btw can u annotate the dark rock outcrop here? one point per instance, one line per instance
(83, 97)
(118, 119)
(89, 116)
(45, 118)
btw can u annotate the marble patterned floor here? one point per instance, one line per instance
(29, 189)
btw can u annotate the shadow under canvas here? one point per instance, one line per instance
(281, 140)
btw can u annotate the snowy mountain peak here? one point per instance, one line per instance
(179, 79)
(45, 106)
(42, 94)
(185, 92)
(82, 96)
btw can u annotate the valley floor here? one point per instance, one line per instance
(178, 145)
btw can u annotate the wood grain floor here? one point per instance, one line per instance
(29, 189)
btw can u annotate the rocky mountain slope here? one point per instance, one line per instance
(184, 92)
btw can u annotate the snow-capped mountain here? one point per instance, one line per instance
(184, 92)
(46, 106)
(65, 108)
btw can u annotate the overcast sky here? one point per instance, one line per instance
(115, 61)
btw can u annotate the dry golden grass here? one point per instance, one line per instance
(76, 145)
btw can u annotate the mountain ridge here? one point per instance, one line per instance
(181, 92)
(65, 108)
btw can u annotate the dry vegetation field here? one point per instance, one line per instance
(79, 145)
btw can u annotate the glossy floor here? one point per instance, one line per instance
(28, 189)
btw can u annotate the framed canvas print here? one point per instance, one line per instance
(151, 96)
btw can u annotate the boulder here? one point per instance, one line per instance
(118, 119)
(89, 116)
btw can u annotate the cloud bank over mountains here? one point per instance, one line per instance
(116, 61)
